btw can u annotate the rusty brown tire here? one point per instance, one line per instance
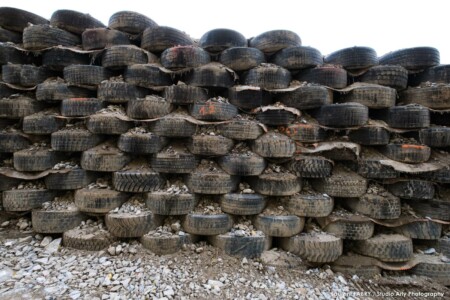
(279, 226)
(246, 246)
(55, 221)
(245, 164)
(407, 153)
(124, 225)
(274, 145)
(386, 247)
(25, 200)
(89, 239)
(314, 247)
(210, 145)
(98, 201)
(276, 184)
(243, 204)
(422, 230)
(170, 204)
(166, 244)
(306, 133)
(198, 224)
(350, 230)
(342, 183)
(309, 204)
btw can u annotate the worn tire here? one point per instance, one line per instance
(141, 143)
(272, 41)
(110, 159)
(438, 209)
(435, 137)
(412, 189)
(247, 246)
(184, 94)
(212, 75)
(88, 239)
(374, 97)
(100, 38)
(164, 245)
(136, 181)
(72, 180)
(276, 184)
(412, 58)
(421, 230)
(131, 225)
(86, 74)
(146, 76)
(121, 56)
(213, 111)
(120, 92)
(59, 58)
(296, 58)
(276, 117)
(306, 97)
(59, 90)
(184, 57)
(211, 183)
(370, 136)
(98, 201)
(241, 129)
(150, 107)
(178, 161)
(388, 75)
(25, 200)
(386, 247)
(108, 124)
(198, 224)
(343, 114)
(435, 269)
(267, 76)
(173, 125)
(35, 160)
(310, 166)
(332, 77)
(434, 97)
(169, 204)
(306, 133)
(243, 204)
(245, 164)
(39, 37)
(351, 230)
(279, 226)
(274, 145)
(248, 97)
(76, 140)
(16, 19)
(130, 22)
(217, 40)
(376, 206)
(159, 38)
(407, 153)
(408, 117)
(313, 205)
(241, 58)
(55, 221)
(42, 123)
(19, 107)
(353, 58)
(210, 145)
(13, 141)
(342, 183)
(74, 21)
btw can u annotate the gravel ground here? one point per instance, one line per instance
(37, 267)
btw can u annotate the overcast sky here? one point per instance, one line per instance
(327, 25)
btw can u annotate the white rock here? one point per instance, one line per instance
(75, 294)
(112, 250)
(53, 246)
(215, 283)
(5, 224)
(119, 249)
(430, 251)
(46, 240)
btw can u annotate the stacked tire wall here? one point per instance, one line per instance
(322, 156)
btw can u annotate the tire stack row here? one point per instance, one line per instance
(246, 143)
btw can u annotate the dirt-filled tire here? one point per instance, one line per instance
(243, 204)
(241, 130)
(72, 180)
(413, 189)
(246, 164)
(108, 124)
(313, 205)
(104, 158)
(120, 92)
(34, 160)
(136, 181)
(74, 21)
(296, 58)
(25, 200)
(343, 114)
(373, 96)
(213, 111)
(124, 225)
(332, 77)
(166, 244)
(86, 74)
(342, 183)
(158, 38)
(407, 153)
(199, 224)
(272, 41)
(434, 96)
(98, 201)
(81, 107)
(146, 76)
(212, 75)
(388, 75)
(121, 56)
(348, 230)
(183, 94)
(276, 184)
(246, 246)
(422, 230)
(16, 19)
(268, 76)
(386, 247)
(274, 144)
(75, 140)
(55, 221)
(30, 75)
(183, 57)
(314, 247)
(412, 58)
(408, 116)
(141, 143)
(279, 226)
(42, 123)
(211, 183)
(38, 37)
(435, 137)
(241, 58)
(89, 239)
(210, 145)
(306, 97)
(275, 117)
(310, 166)
(435, 269)
(370, 136)
(170, 204)
(306, 133)
(130, 22)
(100, 38)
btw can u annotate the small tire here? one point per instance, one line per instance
(383, 207)
(174, 159)
(348, 230)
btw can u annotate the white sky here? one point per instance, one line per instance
(327, 25)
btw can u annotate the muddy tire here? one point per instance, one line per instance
(435, 208)
(427, 230)
(42, 123)
(184, 94)
(35, 160)
(25, 200)
(169, 204)
(415, 189)
(351, 230)
(13, 141)
(328, 76)
(210, 145)
(16, 19)
(163, 245)
(173, 125)
(388, 75)
(107, 124)
(39, 37)
(279, 226)
(243, 204)
(98, 201)
(141, 143)
(183, 57)
(146, 76)
(80, 107)
(149, 107)
(248, 97)
(89, 239)
(241, 58)
(58, 91)
(133, 181)
(110, 159)
(241, 130)
(434, 97)
(310, 166)
(198, 224)
(275, 117)
(211, 183)
(268, 76)
(20, 107)
(375, 206)
(86, 74)
(212, 75)
(131, 225)
(242, 164)
(212, 111)
(435, 137)
(55, 221)
(247, 246)
(219, 39)
(276, 184)
(120, 92)
(72, 180)
(342, 183)
(408, 117)
(306, 97)
(309, 205)
(74, 140)
(274, 145)
(343, 115)
(59, 58)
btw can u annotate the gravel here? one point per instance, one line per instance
(275, 209)
(171, 226)
(101, 183)
(207, 206)
(64, 202)
(243, 227)
(30, 185)
(66, 165)
(135, 205)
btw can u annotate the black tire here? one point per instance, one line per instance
(247, 246)
(417, 58)
(11, 73)
(243, 204)
(6, 92)
(275, 117)
(10, 54)
(268, 76)
(184, 94)
(10, 36)
(393, 76)
(439, 176)
(121, 56)
(306, 133)
(407, 153)
(98, 201)
(13, 141)
(42, 123)
(440, 117)
(434, 97)
(74, 21)
(241, 58)
(309, 204)
(59, 90)
(210, 145)
(373, 96)
(55, 221)
(279, 226)
(130, 22)
(16, 19)
(343, 114)
(444, 245)
(213, 75)
(276, 184)
(88, 239)
(150, 107)
(369, 166)
(174, 159)
(120, 92)
(306, 97)
(241, 130)
(415, 189)
(353, 58)
(342, 183)
(310, 166)
(202, 182)
(422, 230)
(39, 37)
(199, 224)
(370, 136)
(100, 38)
(296, 58)
(74, 140)
(107, 124)
(25, 200)
(383, 206)
(244, 164)
(314, 247)
(433, 208)
(166, 244)
(173, 125)
(437, 74)
(59, 58)
(158, 39)
(219, 39)
(137, 181)
(141, 143)
(435, 269)
(332, 77)
(274, 144)
(386, 247)
(81, 107)
(72, 180)
(435, 137)
(248, 97)
(104, 158)
(351, 268)
(213, 111)
(408, 116)
(182, 57)
(349, 230)
(19, 107)
(30, 75)
(147, 76)
(125, 225)
(85, 74)
(170, 204)
(272, 41)
(34, 160)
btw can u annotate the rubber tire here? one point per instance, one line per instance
(342, 183)
(351, 231)
(173, 125)
(374, 97)
(247, 246)
(16, 19)
(434, 97)
(130, 22)
(343, 115)
(74, 21)
(408, 117)
(212, 75)
(370, 136)
(209, 145)
(121, 56)
(309, 205)
(242, 164)
(241, 58)
(74, 140)
(353, 58)
(108, 124)
(146, 76)
(55, 221)
(20, 107)
(437, 74)
(414, 189)
(164, 245)
(407, 153)
(274, 145)
(387, 248)
(412, 58)
(30, 75)
(328, 76)
(217, 40)
(73, 180)
(131, 225)
(86, 74)
(279, 226)
(13, 141)
(184, 94)
(310, 166)
(120, 92)
(272, 41)
(306, 97)
(39, 37)
(59, 58)
(10, 36)
(42, 123)
(136, 181)
(211, 183)
(180, 162)
(157, 39)
(243, 204)
(267, 76)
(89, 239)
(276, 117)
(213, 111)
(100, 38)
(392, 76)
(435, 137)
(109, 160)
(428, 230)
(438, 271)
(10, 54)
(169, 204)
(371, 168)
(241, 130)
(296, 58)
(276, 185)
(57, 91)
(305, 133)
(375, 206)
(25, 200)
(150, 107)
(36, 160)
(141, 143)
(208, 225)
(183, 57)
(248, 97)
(98, 201)
(434, 208)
